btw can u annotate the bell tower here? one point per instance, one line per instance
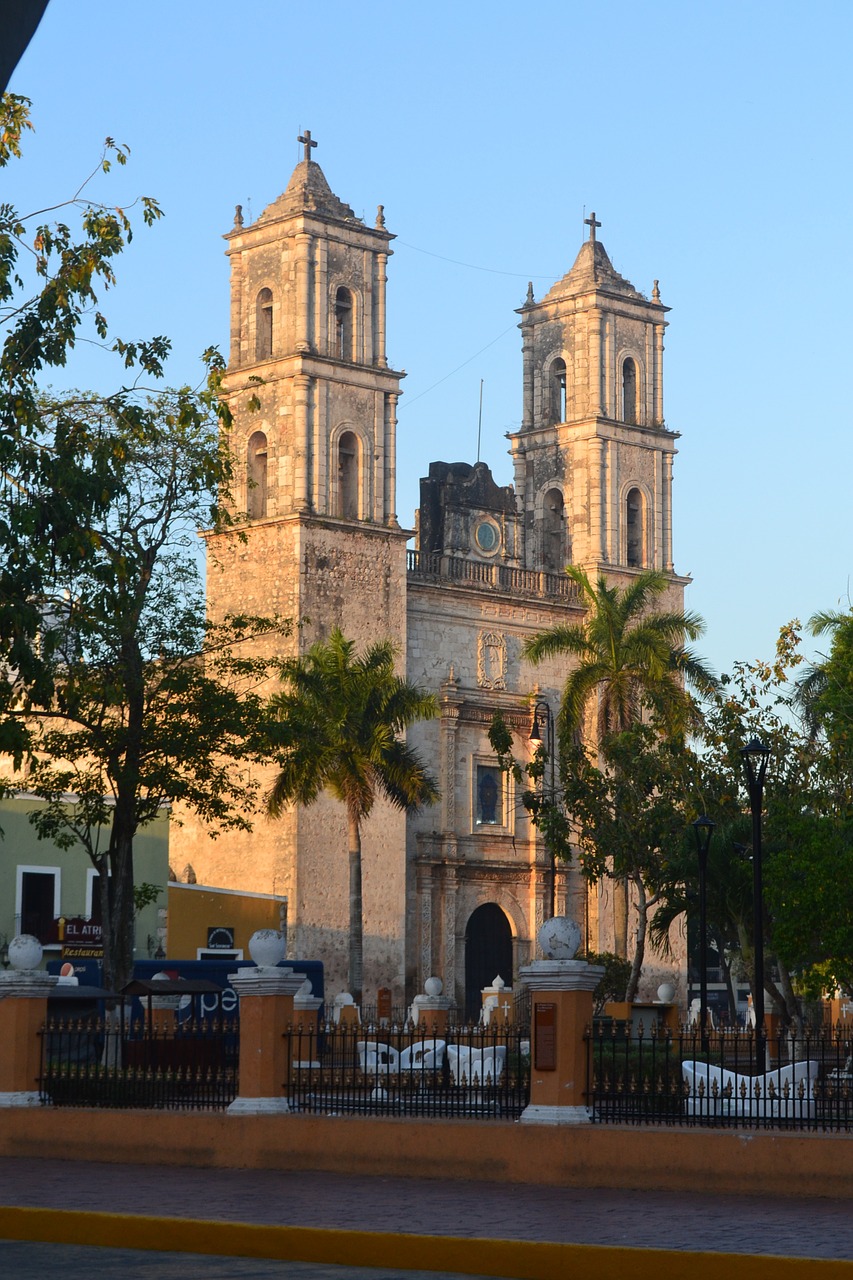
(313, 439)
(308, 339)
(593, 458)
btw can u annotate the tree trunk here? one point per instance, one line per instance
(356, 941)
(642, 926)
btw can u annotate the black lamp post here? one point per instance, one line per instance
(755, 757)
(703, 828)
(543, 708)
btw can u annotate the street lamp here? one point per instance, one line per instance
(755, 757)
(543, 708)
(703, 829)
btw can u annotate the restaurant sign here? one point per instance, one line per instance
(81, 939)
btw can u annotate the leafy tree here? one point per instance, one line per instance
(151, 704)
(116, 689)
(631, 661)
(808, 929)
(51, 488)
(338, 720)
(629, 809)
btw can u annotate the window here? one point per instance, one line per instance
(553, 525)
(629, 390)
(634, 524)
(343, 325)
(37, 902)
(256, 473)
(558, 391)
(488, 800)
(348, 476)
(263, 335)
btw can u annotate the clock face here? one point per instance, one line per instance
(487, 535)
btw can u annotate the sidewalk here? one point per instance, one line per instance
(653, 1220)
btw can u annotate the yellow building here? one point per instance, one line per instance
(216, 924)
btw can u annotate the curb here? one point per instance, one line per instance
(510, 1259)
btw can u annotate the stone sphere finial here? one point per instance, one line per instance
(433, 987)
(25, 952)
(266, 947)
(559, 938)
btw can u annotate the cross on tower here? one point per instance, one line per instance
(307, 141)
(588, 222)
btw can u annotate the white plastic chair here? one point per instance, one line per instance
(376, 1058)
(423, 1055)
(476, 1066)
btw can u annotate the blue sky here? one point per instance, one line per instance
(713, 142)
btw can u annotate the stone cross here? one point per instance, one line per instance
(588, 222)
(308, 143)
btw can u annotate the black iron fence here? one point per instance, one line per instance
(467, 1071)
(731, 1079)
(118, 1061)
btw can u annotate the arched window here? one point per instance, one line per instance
(256, 475)
(348, 476)
(629, 391)
(553, 532)
(634, 525)
(343, 325)
(558, 391)
(263, 320)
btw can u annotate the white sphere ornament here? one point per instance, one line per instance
(433, 987)
(25, 952)
(266, 947)
(666, 992)
(559, 938)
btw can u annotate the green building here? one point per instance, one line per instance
(40, 884)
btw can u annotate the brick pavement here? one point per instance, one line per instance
(814, 1228)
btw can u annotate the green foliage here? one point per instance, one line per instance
(614, 981)
(628, 653)
(145, 894)
(336, 726)
(117, 690)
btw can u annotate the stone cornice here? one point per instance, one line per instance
(561, 975)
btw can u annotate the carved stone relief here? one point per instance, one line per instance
(491, 660)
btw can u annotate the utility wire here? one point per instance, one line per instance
(408, 403)
(492, 271)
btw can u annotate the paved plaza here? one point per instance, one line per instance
(656, 1220)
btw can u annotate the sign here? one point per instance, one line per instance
(81, 939)
(545, 1037)
(383, 1005)
(220, 938)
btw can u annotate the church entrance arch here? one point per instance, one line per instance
(488, 952)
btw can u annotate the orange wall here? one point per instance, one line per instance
(193, 909)
(722, 1162)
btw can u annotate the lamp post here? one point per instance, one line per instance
(755, 757)
(543, 708)
(703, 829)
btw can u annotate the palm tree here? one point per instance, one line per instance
(632, 659)
(628, 654)
(337, 722)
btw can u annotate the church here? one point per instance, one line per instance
(460, 889)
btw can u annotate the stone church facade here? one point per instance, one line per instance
(461, 888)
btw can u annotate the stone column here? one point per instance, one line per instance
(303, 292)
(266, 996)
(526, 328)
(301, 469)
(561, 1011)
(381, 281)
(432, 1009)
(666, 500)
(391, 459)
(23, 1011)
